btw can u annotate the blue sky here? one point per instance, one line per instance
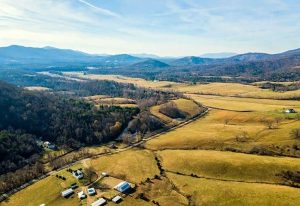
(162, 27)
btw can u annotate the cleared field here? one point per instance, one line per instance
(228, 165)
(47, 191)
(212, 192)
(36, 88)
(122, 79)
(220, 130)
(208, 130)
(236, 89)
(162, 191)
(132, 165)
(245, 104)
(185, 105)
(106, 100)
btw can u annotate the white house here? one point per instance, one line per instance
(77, 174)
(81, 195)
(67, 192)
(99, 202)
(123, 186)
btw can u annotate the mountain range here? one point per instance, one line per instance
(249, 65)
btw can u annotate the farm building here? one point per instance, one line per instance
(99, 202)
(81, 195)
(290, 111)
(67, 193)
(91, 191)
(77, 174)
(123, 186)
(49, 145)
(117, 199)
(104, 174)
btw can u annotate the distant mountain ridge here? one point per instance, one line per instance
(260, 66)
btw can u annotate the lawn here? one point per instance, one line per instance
(227, 193)
(228, 165)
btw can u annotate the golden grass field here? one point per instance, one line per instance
(228, 165)
(245, 104)
(187, 106)
(36, 88)
(237, 90)
(133, 165)
(123, 79)
(212, 192)
(116, 101)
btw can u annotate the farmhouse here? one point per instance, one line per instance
(49, 145)
(67, 193)
(99, 202)
(290, 111)
(117, 199)
(77, 174)
(123, 186)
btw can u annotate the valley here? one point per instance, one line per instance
(243, 151)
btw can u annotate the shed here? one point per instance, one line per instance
(81, 195)
(91, 191)
(99, 202)
(123, 186)
(290, 111)
(67, 192)
(117, 199)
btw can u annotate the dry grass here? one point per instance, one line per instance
(122, 79)
(36, 88)
(46, 191)
(212, 192)
(245, 104)
(228, 165)
(236, 89)
(133, 165)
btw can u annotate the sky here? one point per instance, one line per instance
(161, 27)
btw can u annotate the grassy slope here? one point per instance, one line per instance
(134, 165)
(228, 165)
(235, 89)
(47, 191)
(212, 192)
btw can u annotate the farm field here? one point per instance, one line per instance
(123, 79)
(228, 165)
(236, 90)
(186, 106)
(99, 100)
(245, 104)
(213, 192)
(133, 165)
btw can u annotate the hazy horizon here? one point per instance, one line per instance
(169, 28)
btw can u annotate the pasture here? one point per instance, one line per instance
(228, 165)
(228, 193)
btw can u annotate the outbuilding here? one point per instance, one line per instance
(81, 195)
(117, 199)
(99, 202)
(290, 111)
(91, 191)
(123, 186)
(67, 193)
